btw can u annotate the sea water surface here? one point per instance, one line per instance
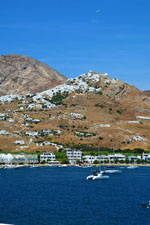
(63, 196)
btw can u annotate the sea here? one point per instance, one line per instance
(63, 196)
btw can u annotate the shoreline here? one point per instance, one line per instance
(76, 165)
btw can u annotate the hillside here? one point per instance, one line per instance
(147, 92)
(22, 74)
(89, 110)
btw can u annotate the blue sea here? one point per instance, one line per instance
(63, 196)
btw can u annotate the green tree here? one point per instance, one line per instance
(78, 161)
(65, 161)
(95, 162)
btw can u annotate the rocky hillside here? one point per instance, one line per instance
(22, 74)
(89, 110)
(147, 92)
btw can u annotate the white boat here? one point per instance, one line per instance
(5, 224)
(62, 166)
(10, 166)
(100, 176)
(112, 171)
(90, 177)
(132, 167)
(34, 166)
(97, 174)
(85, 166)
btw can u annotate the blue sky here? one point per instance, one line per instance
(73, 37)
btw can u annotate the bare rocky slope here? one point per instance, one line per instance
(22, 74)
(147, 92)
(89, 110)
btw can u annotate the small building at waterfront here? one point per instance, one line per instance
(134, 158)
(119, 157)
(46, 156)
(146, 156)
(18, 158)
(104, 158)
(73, 156)
(89, 159)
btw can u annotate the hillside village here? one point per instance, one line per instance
(88, 111)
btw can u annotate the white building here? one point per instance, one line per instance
(6, 158)
(146, 156)
(118, 157)
(90, 158)
(20, 142)
(132, 158)
(102, 158)
(73, 155)
(18, 158)
(47, 157)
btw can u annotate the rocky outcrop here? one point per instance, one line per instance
(22, 74)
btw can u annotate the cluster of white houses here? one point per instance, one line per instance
(73, 157)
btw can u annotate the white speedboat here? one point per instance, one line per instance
(112, 171)
(100, 176)
(94, 173)
(5, 224)
(132, 167)
(97, 174)
(62, 166)
(34, 166)
(86, 166)
(90, 177)
(11, 167)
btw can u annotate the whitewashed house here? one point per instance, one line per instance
(118, 157)
(90, 159)
(132, 158)
(102, 158)
(74, 155)
(145, 156)
(46, 156)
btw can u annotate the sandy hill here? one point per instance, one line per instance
(89, 110)
(21, 74)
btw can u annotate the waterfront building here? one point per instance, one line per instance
(31, 158)
(73, 155)
(90, 159)
(5, 158)
(18, 158)
(132, 158)
(118, 157)
(102, 158)
(145, 156)
(46, 156)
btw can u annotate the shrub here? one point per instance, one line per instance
(99, 92)
(99, 105)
